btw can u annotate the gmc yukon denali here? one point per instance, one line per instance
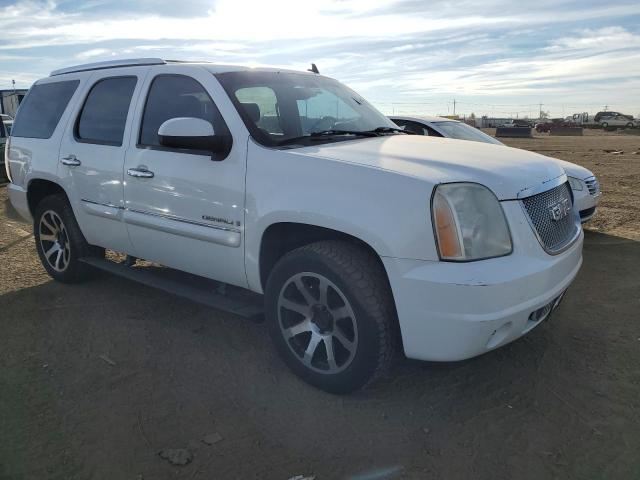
(360, 239)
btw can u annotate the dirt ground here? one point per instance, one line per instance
(96, 379)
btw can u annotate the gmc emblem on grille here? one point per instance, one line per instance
(559, 210)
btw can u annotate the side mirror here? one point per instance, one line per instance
(190, 134)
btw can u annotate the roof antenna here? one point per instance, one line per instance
(313, 69)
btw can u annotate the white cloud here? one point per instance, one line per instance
(388, 49)
(596, 40)
(94, 52)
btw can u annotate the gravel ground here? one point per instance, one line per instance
(98, 379)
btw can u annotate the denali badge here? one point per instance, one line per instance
(219, 220)
(559, 210)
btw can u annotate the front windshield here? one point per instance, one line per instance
(462, 131)
(292, 108)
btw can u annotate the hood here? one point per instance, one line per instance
(507, 171)
(573, 170)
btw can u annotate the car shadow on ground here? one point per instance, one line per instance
(97, 377)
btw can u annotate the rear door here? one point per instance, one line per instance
(92, 153)
(186, 209)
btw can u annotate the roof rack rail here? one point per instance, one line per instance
(132, 62)
(187, 61)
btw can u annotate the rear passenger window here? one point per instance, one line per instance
(42, 108)
(172, 96)
(104, 114)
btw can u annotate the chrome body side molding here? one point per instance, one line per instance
(184, 227)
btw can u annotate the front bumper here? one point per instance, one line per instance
(585, 203)
(453, 311)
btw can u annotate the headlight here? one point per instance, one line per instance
(576, 184)
(469, 223)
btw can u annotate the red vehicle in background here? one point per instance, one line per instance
(544, 127)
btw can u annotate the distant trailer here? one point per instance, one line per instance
(10, 100)
(513, 132)
(564, 131)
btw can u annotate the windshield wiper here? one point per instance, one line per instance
(332, 132)
(391, 129)
(376, 132)
(329, 133)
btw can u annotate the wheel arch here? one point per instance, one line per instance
(39, 188)
(282, 237)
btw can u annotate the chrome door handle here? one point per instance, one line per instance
(70, 161)
(140, 172)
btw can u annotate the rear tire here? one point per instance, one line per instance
(59, 241)
(331, 315)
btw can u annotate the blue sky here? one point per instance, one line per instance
(406, 56)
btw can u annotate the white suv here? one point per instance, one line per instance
(362, 238)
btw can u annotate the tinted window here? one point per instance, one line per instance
(104, 113)
(42, 108)
(172, 96)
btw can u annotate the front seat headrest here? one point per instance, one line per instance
(253, 110)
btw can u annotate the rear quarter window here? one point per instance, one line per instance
(42, 108)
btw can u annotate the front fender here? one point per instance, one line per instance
(388, 211)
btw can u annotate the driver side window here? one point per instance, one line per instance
(171, 96)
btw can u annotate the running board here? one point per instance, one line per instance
(220, 296)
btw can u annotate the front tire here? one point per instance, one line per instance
(59, 241)
(331, 315)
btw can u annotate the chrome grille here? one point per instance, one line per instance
(554, 235)
(593, 186)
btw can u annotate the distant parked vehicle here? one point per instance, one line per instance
(619, 121)
(543, 127)
(601, 116)
(584, 184)
(516, 123)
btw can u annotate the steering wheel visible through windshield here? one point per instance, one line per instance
(288, 108)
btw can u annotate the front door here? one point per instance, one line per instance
(92, 151)
(185, 208)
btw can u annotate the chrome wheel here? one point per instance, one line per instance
(317, 323)
(54, 241)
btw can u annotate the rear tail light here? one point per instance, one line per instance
(7, 146)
